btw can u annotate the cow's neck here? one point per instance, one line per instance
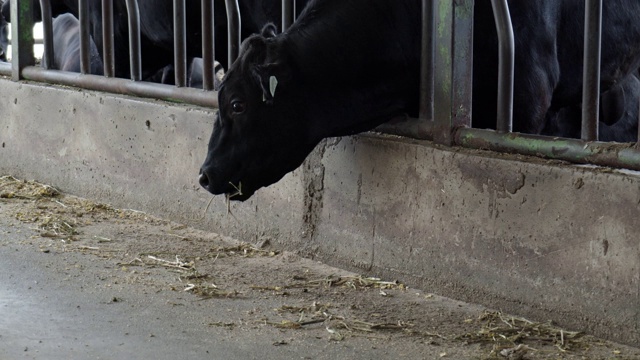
(353, 76)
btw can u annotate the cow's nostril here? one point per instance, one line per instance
(204, 180)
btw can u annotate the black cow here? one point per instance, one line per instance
(619, 107)
(66, 46)
(324, 78)
(195, 76)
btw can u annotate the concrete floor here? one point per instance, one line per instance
(84, 297)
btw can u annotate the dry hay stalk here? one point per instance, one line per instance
(507, 332)
(353, 282)
(243, 250)
(13, 188)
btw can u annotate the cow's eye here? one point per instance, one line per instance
(237, 107)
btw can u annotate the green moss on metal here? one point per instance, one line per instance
(573, 150)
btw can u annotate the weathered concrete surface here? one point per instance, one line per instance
(543, 240)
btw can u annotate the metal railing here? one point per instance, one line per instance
(23, 63)
(586, 150)
(445, 87)
(445, 108)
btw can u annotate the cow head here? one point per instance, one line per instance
(259, 133)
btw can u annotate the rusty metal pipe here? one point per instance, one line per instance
(574, 150)
(208, 52)
(22, 38)
(47, 35)
(123, 86)
(233, 29)
(506, 65)
(133, 15)
(179, 43)
(427, 85)
(108, 59)
(85, 38)
(453, 68)
(591, 74)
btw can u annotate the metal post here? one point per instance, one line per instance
(506, 65)
(427, 60)
(47, 30)
(107, 39)
(591, 74)
(133, 14)
(85, 38)
(21, 37)
(233, 30)
(452, 68)
(179, 43)
(287, 14)
(208, 52)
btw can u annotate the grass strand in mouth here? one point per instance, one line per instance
(229, 196)
(237, 188)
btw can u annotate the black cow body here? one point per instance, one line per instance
(330, 82)
(619, 107)
(66, 46)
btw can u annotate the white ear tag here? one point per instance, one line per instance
(273, 83)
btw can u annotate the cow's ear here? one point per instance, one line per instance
(269, 77)
(269, 31)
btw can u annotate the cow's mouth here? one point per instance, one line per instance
(235, 191)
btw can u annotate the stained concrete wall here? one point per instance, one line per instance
(540, 239)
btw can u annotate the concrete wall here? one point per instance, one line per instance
(540, 239)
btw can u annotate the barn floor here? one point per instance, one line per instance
(81, 279)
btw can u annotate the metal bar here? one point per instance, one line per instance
(416, 128)
(591, 74)
(295, 10)
(506, 65)
(22, 39)
(107, 39)
(36, 41)
(287, 14)
(208, 52)
(578, 151)
(452, 68)
(123, 86)
(179, 43)
(427, 60)
(47, 32)
(233, 30)
(85, 38)
(133, 14)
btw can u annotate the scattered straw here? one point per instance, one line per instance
(507, 332)
(12, 188)
(243, 250)
(353, 282)
(177, 264)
